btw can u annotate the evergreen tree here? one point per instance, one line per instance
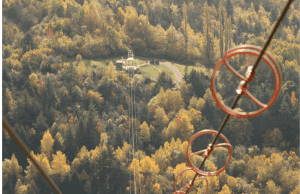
(118, 138)
(79, 136)
(25, 72)
(207, 111)
(69, 143)
(118, 174)
(75, 185)
(102, 171)
(285, 108)
(27, 42)
(163, 81)
(229, 9)
(58, 143)
(29, 87)
(40, 127)
(197, 79)
(91, 137)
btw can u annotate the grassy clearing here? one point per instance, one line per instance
(94, 65)
(190, 68)
(140, 61)
(169, 71)
(149, 69)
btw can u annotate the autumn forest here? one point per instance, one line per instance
(63, 96)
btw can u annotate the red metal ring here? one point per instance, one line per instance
(187, 185)
(203, 173)
(275, 69)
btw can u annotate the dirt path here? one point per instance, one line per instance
(175, 70)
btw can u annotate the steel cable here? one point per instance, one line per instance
(253, 70)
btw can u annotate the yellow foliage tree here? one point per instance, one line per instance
(223, 177)
(225, 190)
(33, 80)
(47, 144)
(121, 154)
(133, 167)
(144, 133)
(213, 185)
(81, 69)
(160, 159)
(174, 101)
(32, 188)
(272, 188)
(92, 16)
(20, 188)
(120, 16)
(95, 97)
(111, 72)
(148, 165)
(78, 57)
(232, 183)
(170, 132)
(83, 153)
(160, 98)
(195, 117)
(95, 154)
(10, 172)
(185, 127)
(160, 116)
(59, 164)
(103, 141)
(156, 189)
(8, 101)
(296, 190)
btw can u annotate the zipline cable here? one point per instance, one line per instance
(129, 129)
(25, 149)
(137, 145)
(253, 70)
(133, 138)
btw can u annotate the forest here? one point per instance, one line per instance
(75, 118)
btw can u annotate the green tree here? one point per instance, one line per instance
(90, 134)
(69, 143)
(221, 28)
(40, 126)
(58, 143)
(27, 42)
(74, 180)
(171, 41)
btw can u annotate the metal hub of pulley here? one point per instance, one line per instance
(207, 152)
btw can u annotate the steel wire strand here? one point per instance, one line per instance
(129, 129)
(137, 145)
(133, 137)
(253, 70)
